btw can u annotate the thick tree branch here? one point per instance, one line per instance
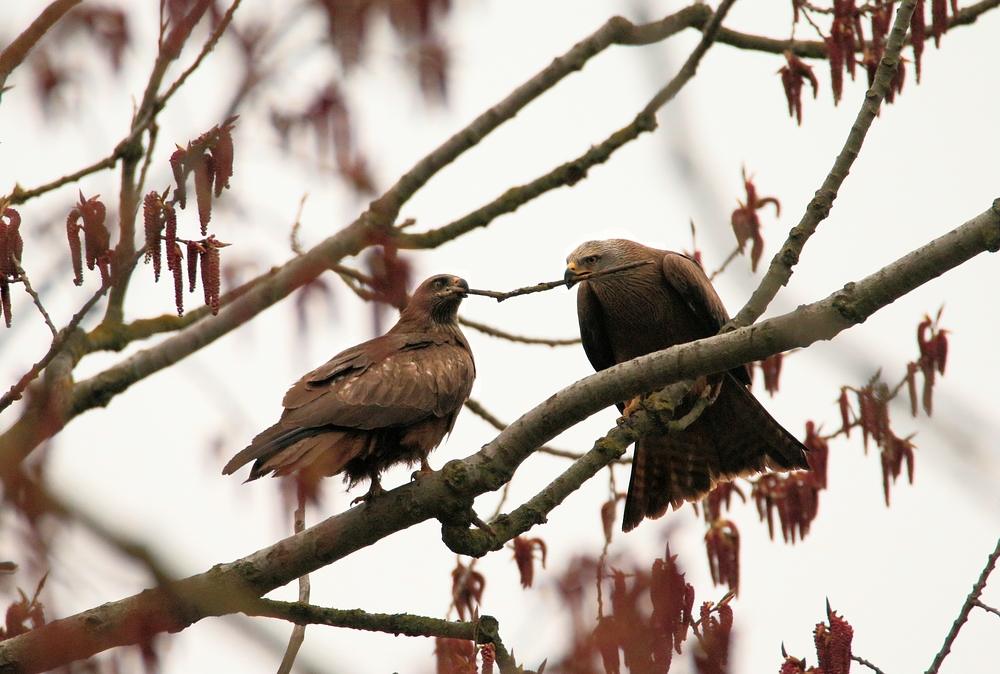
(780, 270)
(448, 494)
(656, 413)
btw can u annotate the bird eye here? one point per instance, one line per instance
(440, 282)
(591, 259)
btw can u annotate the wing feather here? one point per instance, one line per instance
(689, 280)
(405, 386)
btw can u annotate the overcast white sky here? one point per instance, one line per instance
(149, 464)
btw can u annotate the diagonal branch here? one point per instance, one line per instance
(14, 54)
(963, 615)
(574, 171)
(60, 341)
(780, 270)
(448, 494)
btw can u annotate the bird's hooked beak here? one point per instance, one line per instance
(460, 286)
(573, 275)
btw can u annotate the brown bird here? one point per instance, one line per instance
(652, 307)
(387, 401)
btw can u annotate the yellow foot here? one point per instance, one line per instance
(373, 491)
(633, 406)
(425, 470)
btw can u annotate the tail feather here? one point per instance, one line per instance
(733, 437)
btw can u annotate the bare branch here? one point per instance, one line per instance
(988, 609)
(485, 630)
(16, 51)
(617, 30)
(963, 615)
(209, 46)
(862, 661)
(574, 171)
(17, 390)
(19, 196)
(23, 277)
(494, 332)
(656, 414)
(549, 285)
(299, 631)
(780, 270)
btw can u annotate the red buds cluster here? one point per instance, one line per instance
(467, 587)
(96, 238)
(833, 648)
(24, 614)
(722, 542)
(795, 497)
(873, 417)
(524, 555)
(793, 75)
(716, 624)
(647, 642)
(746, 224)
(11, 249)
(933, 343)
(210, 158)
(456, 656)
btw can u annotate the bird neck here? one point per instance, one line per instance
(437, 314)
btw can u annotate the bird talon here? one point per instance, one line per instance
(633, 406)
(425, 470)
(420, 474)
(373, 492)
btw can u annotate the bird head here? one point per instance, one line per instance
(439, 296)
(594, 256)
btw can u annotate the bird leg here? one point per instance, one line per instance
(373, 491)
(425, 470)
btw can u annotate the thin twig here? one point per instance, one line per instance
(732, 256)
(353, 274)
(23, 277)
(17, 390)
(549, 285)
(293, 236)
(209, 46)
(19, 196)
(967, 607)
(494, 332)
(987, 608)
(154, 131)
(862, 661)
(299, 631)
